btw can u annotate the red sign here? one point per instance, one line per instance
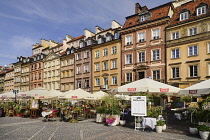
(4, 95)
(41, 97)
(164, 89)
(131, 89)
(23, 94)
(193, 91)
(73, 96)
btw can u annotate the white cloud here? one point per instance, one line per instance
(14, 17)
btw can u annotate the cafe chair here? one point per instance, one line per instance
(53, 116)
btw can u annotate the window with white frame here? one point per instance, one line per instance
(141, 56)
(97, 54)
(105, 65)
(86, 68)
(114, 80)
(201, 10)
(97, 82)
(143, 18)
(79, 56)
(175, 53)
(97, 67)
(78, 70)
(192, 31)
(87, 83)
(175, 72)
(105, 52)
(89, 42)
(156, 33)
(108, 38)
(155, 55)
(141, 36)
(175, 35)
(79, 84)
(71, 61)
(99, 40)
(184, 16)
(193, 50)
(86, 54)
(193, 70)
(208, 49)
(114, 50)
(128, 40)
(129, 59)
(129, 77)
(209, 69)
(116, 35)
(114, 64)
(156, 74)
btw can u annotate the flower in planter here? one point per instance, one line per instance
(110, 119)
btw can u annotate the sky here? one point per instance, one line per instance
(24, 22)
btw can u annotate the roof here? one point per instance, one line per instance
(157, 13)
(57, 46)
(76, 38)
(191, 6)
(63, 53)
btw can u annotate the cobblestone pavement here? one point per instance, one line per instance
(16, 128)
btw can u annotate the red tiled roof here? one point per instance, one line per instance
(76, 38)
(63, 53)
(157, 13)
(191, 6)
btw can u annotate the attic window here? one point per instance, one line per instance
(130, 23)
(201, 9)
(144, 16)
(108, 37)
(184, 14)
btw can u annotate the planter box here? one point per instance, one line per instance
(100, 118)
(116, 122)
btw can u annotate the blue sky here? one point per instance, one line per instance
(24, 22)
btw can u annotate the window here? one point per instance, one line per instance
(141, 36)
(116, 35)
(209, 69)
(78, 70)
(143, 18)
(175, 35)
(81, 44)
(79, 84)
(201, 10)
(105, 52)
(105, 65)
(184, 16)
(141, 56)
(97, 68)
(86, 68)
(155, 55)
(114, 50)
(156, 74)
(99, 40)
(128, 40)
(175, 72)
(192, 31)
(87, 85)
(175, 53)
(89, 42)
(129, 59)
(87, 54)
(114, 80)
(97, 54)
(208, 47)
(114, 64)
(156, 33)
(193, 70)
(128, 77)
(192, 50)
(97, 82)
(108, 38)
(79, 56)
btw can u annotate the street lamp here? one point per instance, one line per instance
(15, 91)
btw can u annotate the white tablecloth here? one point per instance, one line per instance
(45, 113)
(151, 122)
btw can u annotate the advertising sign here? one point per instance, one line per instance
(138, 106)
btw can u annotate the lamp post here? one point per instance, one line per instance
(15, 91)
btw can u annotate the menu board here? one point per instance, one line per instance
(138, 106)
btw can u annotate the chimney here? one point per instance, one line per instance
(137, 8)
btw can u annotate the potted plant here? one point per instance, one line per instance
(203, 131)
(110, 120)
(17, 109)
(100, 116)
(159, 126)
(193, 126)
(122, 121)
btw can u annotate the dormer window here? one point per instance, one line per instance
(42, 56)
(201, 9)
(72, 50)
(184, 15)
(82, 44)
(144, 16)
(24, 60)
(34, 58)
(108, 37)
(89, 42)
(116, 35)
(100, 39)
(68, 52)
(28, 59)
